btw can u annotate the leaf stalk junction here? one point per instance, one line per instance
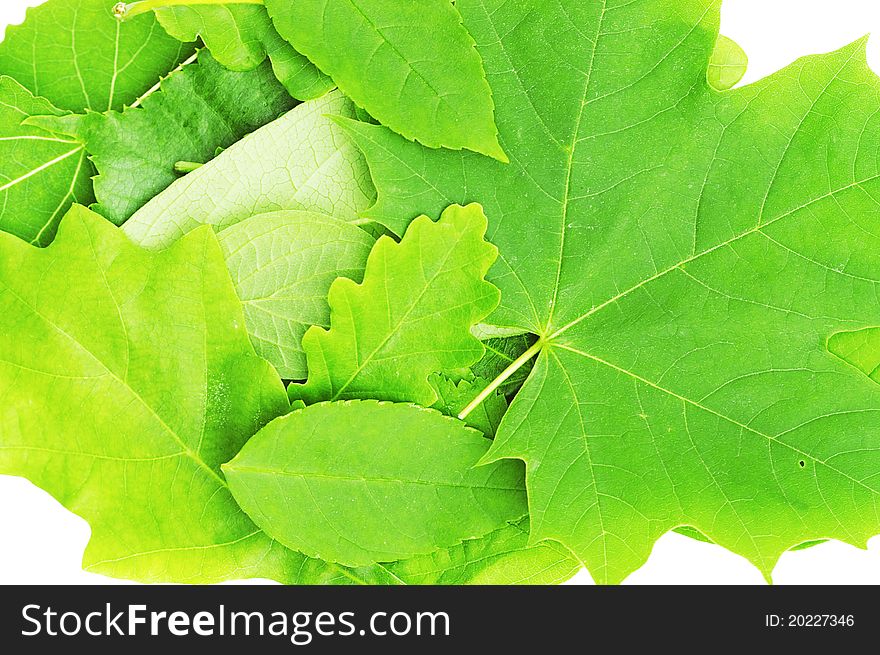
(514, 366)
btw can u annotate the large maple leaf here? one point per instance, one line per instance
(701, 269)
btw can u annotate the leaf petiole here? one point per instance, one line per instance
(126, 10)
(186, 166)
(515, 365)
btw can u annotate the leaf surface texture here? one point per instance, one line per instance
(241, 37)
(359, 482)
(78, 56)
(303, 160)
(282, 264)
(412, 66)
(685, 256)
(410, 317)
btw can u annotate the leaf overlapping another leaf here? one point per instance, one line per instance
(282, 264)
(328, 481)
(301, 161)
(196, 110)
(412, 66)
(123, 430)
(501, 557)
(453, 396)
(78, 56)
(696, 250)
(410, 317)
(241, 37)
(692, 268)
(41, 174)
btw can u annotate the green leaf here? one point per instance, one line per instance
(501, 557)
(684, 256)
(241, 37)
(127, 379)
(453, 396)
(78, 56)
(329, 482)
(198, 109)
(412, 66)
(303, 160)
(410, 317)
(41, 174)
(727, 65)
(282, 264)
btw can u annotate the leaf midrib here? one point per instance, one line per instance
(357, 478)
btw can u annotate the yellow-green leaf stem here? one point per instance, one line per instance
(517, 364)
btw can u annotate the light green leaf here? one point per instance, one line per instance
(41, 174)
(727, 65)
(502, 557)
(360, 482)
(78, 56)
(454, 395)
(410, 317)
(241, 37)
(412, 66)
(198, 109)
(303, 160)
(859, 348)
(282, 264)
(127, 379)
(684, 255)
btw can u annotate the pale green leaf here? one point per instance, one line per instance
(303, 160)
(410, 317)
(241, 37)
(282, 264)
(359, 482)
(41, 174)
(685, 255)
(78, 56)
(412, 66)
(727, 65)
(198, 109)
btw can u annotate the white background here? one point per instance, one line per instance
(41, 543)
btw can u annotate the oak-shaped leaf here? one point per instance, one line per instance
(411, 316)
